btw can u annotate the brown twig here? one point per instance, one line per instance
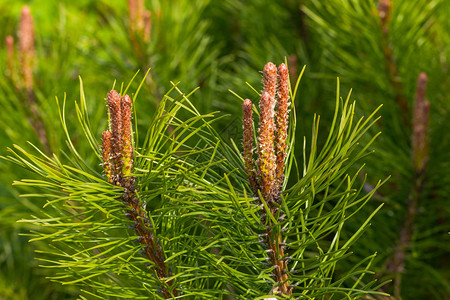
(143, 228)
(293, 68)
(384, 13)
(419, 152)
(420, 125)
(276, 248)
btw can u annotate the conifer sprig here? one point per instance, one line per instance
(277, 209)
(94, 249)
(21, 74)
(272, 151)
(271, 164)
(118, 153)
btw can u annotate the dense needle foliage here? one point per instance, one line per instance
(201, 235)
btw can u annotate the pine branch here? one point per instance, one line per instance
(22, 76)
(420, 142)
(201, 221)
(384, 12)
(272, 143)
(272, 150)
(118, 164)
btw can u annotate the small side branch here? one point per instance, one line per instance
(36, 120)
(266, 175)
(117, 149)
(384, 12)
(420, 157)
(21, 75)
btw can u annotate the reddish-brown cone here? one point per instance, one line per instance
(247, 121)
(266, 156)
(282, 122)
(384, 12)
(139, 15)
(10, 50)
(270, 79)
(26, 47)
(132, 15)
(106, 151)
(127, 159)
(114, 106)
(147, 26)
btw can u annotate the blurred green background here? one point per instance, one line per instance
(378, 49)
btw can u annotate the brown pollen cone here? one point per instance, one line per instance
(282, 122)
(267, 130)
(270, 79)
(247, 143)
(139, 15)
(114, 106)
(10, 50)
(106, 151)
(127, 158)
(266, 156)
(147, 26)
(26, 46)
(384, 11)
(132, 15)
